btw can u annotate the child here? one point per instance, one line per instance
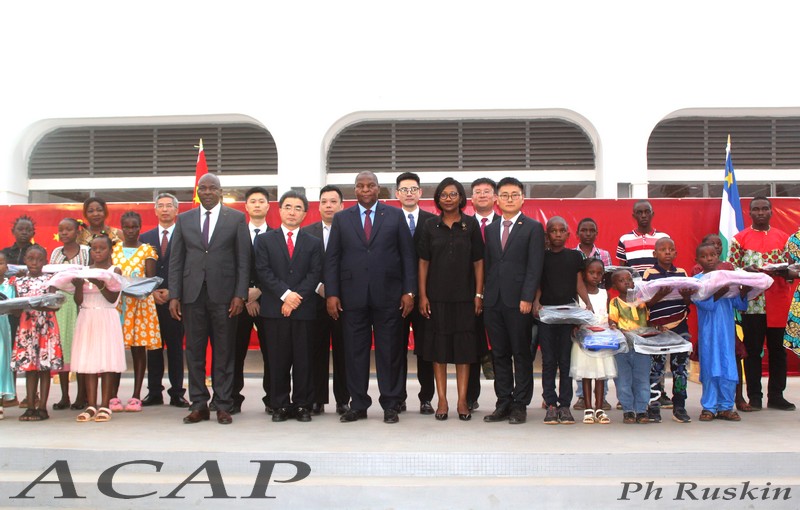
(140, 326)
(715, 241)
(633, 368)
(7, 389)
(671, 315)
(560, 286)
(37, 350)
(70, 253)
(718, 364)
(98, 347)
(587, 367)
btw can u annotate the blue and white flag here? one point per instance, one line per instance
(731, 220)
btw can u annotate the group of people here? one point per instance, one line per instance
(366, 276)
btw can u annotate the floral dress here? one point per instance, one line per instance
(38, 345)
(139, 318)
(68, 313)
(791, 336)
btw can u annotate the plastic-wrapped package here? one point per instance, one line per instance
(140, 288)
(49, 301)
(711, 282)
(566, 314)
(600, 342)
(653, 341)
(646, 290)
(129, 285)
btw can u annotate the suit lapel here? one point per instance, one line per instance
(355, 219)
(377, 221)
(515, 231)
(223, 218)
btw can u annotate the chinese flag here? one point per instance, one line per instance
(200, 170)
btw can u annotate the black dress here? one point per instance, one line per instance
(451, 253)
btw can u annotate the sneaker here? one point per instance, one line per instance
(654, 414)
(629, 418)
(580, 404)
(665, 402)
(680, 415)
(565, 417)
(781, 404)
(551, 417)
(642, 418)
(606, 405)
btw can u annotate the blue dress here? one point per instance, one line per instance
(7, 388)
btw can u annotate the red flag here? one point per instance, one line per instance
(200, 170)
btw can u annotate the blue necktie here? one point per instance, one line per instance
(411, 226)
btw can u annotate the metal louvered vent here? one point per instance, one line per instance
(135, 151)
(699, 142)
(461, 145)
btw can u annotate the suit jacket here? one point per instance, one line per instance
(253, 273)
(279, 273)
(513, 274)
(153, 238)
(224, 266)
(315, 229)
(370, 274)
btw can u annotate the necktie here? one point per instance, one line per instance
(289, 244)
(411, 225)
(164, 242)
(255, 231)
(483, 228)
(506, 231)
(206, 225)
(367, 224)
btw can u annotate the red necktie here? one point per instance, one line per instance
(289, 244)
(483, 228)
(164, 243)
(506, 231)
(367, 224)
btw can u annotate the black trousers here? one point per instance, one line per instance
(424, 368)
(555, 341)
(510, 332)
(755, 331)
(327, 342)
(244, 326)
(172, 340)
(289, 342)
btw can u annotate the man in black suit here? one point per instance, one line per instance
(513, 262)
(256, 203)
(171, 330)
(289, 265)
(209, 269)
(371, 281)
(328, 340)
(409, 193)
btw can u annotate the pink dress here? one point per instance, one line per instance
(97, 344)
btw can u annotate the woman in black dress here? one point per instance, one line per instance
(451, 291)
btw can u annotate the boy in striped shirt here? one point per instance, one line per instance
(635, 249)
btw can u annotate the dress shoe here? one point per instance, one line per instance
(517, 416)
(302, 414)
(176, 402)
(391, 416)
(781, 404)
(440, 416)
(465, 417)
(236, 408)
(197, 416)
(402, 407)
(342, 408)
(473, 405)
(212, 406)
(224, 417)
(426, 407)
(268, 409)
(316, 409)
(499, 414)
(152, 400)
(353, 415)
(280, 414)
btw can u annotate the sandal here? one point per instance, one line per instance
(61, 405)
(601, 417)
(29, 415)
(729, 415)
(103, 414)
(134, 405)
(41, 414)
(115, 405)
(12, 402)
(588, 417)
(706, 415)
(87, 415)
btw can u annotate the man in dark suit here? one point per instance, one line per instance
(371, 281)
(160, 238)
(209, 269)
(513, 261)
(328, 340)
(256, 203)
(289, 265)
(409, 193)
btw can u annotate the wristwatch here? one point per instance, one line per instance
(411, 294)
(479, 295)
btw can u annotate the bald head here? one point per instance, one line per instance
(209, 191)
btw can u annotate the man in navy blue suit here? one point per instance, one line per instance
(370, 278)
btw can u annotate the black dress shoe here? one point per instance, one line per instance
(781, 404)
(402, 407)
(268, 409)
(391, 416)
(473, 405)
(302, 414)
(152, 400)
(224, 417)
(499, 414)
(280, 414)
(353, 415)
(197, 416)
(178, 402)
(317, 409)
(441, 416)
(426, 407)
(212, 406)
(236, 408)
(342, 408)
(465, 417)
(517, 416)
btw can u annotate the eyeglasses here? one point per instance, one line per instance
(295, 208)
(482, 193)
(509, 196)
(165, 206)
(406, 191)
(452, 195)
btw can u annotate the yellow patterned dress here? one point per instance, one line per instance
(139, 319)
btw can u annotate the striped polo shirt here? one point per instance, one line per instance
(669, 313)
(636, 250)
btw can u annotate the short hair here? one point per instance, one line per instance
(704, 245)
(92, 200)
(510, 181)
(367, 172)
(555, 219)
(407, 176)
(591, 260)
(449, 181)
(24, 217)
(170, 196)
(331, 187)
(294, 194)
(131, 215)
(663, 240)
(705, 239)
(35, 247)
(484, 180)
(586, 220)
(760, 197)
(254, 190)
(643, 201)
